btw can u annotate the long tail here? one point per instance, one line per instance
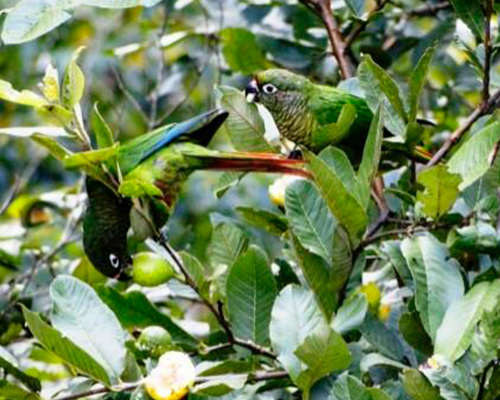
(251, 162)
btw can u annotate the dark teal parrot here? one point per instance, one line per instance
(154, 167)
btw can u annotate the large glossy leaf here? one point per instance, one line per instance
(471, 160)
(245, 126)
(233, 41)
(77, 311)
(323, 352)
(320, 277)
(10, 366)
(454, 335)
(295, 316)
(134, 310)
(273, 223)
(440, 190)
(53, 341)
(348, 387)
(228, 242)
(379, 88)
(438, 282)
(386, 340)
(339, 197)
(311, 220)
(251, 291)
(371, 157)
(31, 19)
(417, 81)
(485, 340)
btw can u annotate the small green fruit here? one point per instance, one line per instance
(149, 269)
(155, 340)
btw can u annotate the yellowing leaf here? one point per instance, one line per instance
(25, 97)
(441, 190)
(50, 85)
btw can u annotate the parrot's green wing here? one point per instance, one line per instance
(199, 129)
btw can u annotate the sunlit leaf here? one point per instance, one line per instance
(73, 83)
(233, 41)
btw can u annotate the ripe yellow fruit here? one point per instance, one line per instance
(149, 269)
(172, 378)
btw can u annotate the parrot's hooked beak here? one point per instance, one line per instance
(252, 91)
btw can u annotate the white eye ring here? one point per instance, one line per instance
(115, 262)
(269, 88)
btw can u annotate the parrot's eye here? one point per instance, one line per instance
(269, 88)
(115, 262)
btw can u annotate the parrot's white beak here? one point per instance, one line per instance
(252, 91)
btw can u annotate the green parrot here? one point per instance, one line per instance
(307, 113)
(154, 167)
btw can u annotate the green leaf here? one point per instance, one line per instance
(375, 92)
(339, 197)
(227, 180)
(77, 311)
(410, 327)
(251, 291)
(376, 359)
(371, 157)
(10, 365)
(348, 387)
(29, 20)
(245, 126)
(335, 132)
(216, 387)
(228, 242)
(320, 277)
(351, 314)
(440, 190)
(102, 131)
(56, 343)
(47, 131)
(295, 316)
(471, 160)
(455, 333)
(384, 339)
(73, 82)
(471, 12)
(418, 386)
(311, 220)
(271, 222)
(233, 41)
(9, 391)
(197, 273)
(90, 157)
(438, 282)
(417, 81)
(25, 97)
(134, 310)
(357, 7)
(485, 340)
(323, 352)
(385, 84)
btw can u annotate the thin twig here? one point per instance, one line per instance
(362, 25)
(217, 312)
(323, 10)
(482, 109)
(430, 9)
(129, 95)
(258, 376)
(487, 50)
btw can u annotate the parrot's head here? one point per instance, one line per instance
(105, 226)
(279, 90)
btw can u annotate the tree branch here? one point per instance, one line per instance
(430, 9)
(487, 50)
(323, 9)
(481, 110)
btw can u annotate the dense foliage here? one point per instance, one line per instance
(281, 288)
